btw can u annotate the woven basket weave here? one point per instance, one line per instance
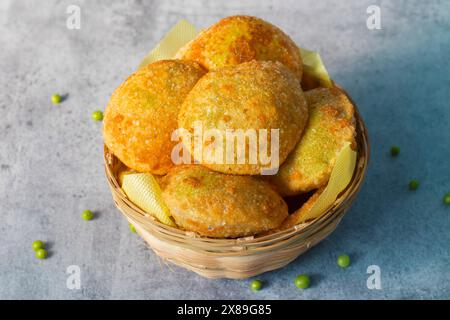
(244, 257)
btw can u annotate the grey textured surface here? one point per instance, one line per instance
(51, 156)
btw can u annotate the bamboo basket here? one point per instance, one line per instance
(243, 257)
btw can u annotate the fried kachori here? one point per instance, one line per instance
(142, 114)
(330, 126)
(219, 205)
(255, 97)
(237, 39)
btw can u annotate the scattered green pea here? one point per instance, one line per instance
(87, 215)
(97, 115)
(41, 253)
(132, 228)
(447, 199)
(38, 244)
(395, 150)
(413, 185)
(343, 261)
(56, 98)
(256, 285)
(302, 281)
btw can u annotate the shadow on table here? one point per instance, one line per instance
(402, 97)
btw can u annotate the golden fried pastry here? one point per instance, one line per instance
(219, 205)
(330, 126)
(237, 39)
(142, 114)
(250, 97)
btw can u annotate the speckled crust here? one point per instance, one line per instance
(330, 125)
(253, 95)
(219, 205)
(142, 114)
(238, 39)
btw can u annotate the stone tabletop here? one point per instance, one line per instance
(51, 156)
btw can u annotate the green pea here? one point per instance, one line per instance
(38, 244)
(56, 98)
(302, 281)
(87, 215)
(395, 150)
(413, 185)
(97, 115)
(343, 261)
(41, 254)
(132, 228)
(447, 199)
(256, 285)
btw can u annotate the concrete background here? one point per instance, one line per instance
(51, 156)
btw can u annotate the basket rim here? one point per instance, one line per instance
(252, 242)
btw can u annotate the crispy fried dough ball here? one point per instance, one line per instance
(238, 39)
(251, 96)
(330, 126)
(219, 205)
(142, 114)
